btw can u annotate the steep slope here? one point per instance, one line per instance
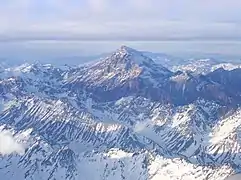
(59, 136)
(128, 72)
(124, 72)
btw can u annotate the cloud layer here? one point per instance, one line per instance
(8, 144)
(120, 20)
(235, 177)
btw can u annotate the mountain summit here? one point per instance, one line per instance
(124, 71)
(126, 58)
(126, 54)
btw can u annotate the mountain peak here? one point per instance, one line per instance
(127, 60)
(127, 49)
(123, 68)
(128, 55)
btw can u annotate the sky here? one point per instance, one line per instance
(80, 26)
(146, 20)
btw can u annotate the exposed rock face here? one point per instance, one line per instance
(128, 72)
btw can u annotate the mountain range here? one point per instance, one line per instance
(126, 116)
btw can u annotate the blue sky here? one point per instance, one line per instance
(63, 21)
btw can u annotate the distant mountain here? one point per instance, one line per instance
(199, 64)
(166, 60)
(125, 116)
(204, 66)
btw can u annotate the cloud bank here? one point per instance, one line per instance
(133, 20)
(234, 177)
(8, 145)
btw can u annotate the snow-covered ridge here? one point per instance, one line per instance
(205, 66)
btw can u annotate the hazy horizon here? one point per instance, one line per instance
(48, 51)
(32, 29)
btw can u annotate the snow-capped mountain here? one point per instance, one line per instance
(123, 117)
(198, 65)
(120, 74)
(204, 66)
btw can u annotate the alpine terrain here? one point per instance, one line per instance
(124, 117)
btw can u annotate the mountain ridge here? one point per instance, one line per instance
(121, 118)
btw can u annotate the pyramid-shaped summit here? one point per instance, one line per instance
(128, 62)
(122, 68)
(126, 54)
(128, 49)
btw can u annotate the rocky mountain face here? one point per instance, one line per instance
(123, 117)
